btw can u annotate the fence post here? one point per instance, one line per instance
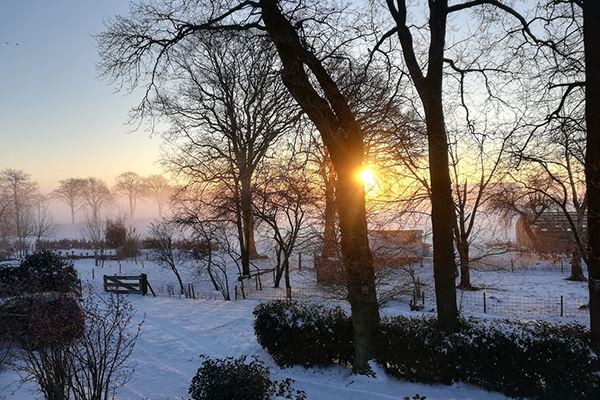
(236, 293)
(484, 304)
(423, 298)
(143, 283)
(562, 269)
(120, 268)
(512, 265)
(562, 306)
(300, 260)
(93, 273)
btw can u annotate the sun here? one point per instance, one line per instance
(367, 177)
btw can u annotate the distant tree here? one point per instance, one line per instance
(21, 192)
(71, 192)
(96, 195)
(228, 109)
(161, 242)
(94, 232)
(283, 199)
(43, 225)
(133, 187)
(159, 188)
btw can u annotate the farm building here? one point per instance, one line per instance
(551, 232)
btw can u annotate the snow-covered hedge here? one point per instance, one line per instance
(536, 360)
(304, 334)
(43, 271)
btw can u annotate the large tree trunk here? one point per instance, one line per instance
(329, 249)
(591, 38)
(442, 210)
(576, 267)
(429, 87)
(463, 256)
(357, 262)
(344, 140)
(239, 221)
(247, 218)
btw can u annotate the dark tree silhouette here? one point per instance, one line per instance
(139, 47)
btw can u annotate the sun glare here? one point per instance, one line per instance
(367, 177)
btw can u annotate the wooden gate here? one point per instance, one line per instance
(127, 284)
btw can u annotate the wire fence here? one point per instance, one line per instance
(482, 302)
(508, 305)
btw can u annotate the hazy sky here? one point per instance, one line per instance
(57, 119)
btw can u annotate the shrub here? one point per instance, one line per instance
(10, 279)
(234, 379)
(37, 322)
(306, 334)
(46, 271)
(123, 240)
(536, 360)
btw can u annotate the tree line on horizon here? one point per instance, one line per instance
(25, 211)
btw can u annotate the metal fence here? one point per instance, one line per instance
(513, 306)
(483, 302)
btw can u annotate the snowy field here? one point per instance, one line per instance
(177, 331)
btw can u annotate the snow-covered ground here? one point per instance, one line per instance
(177, 331)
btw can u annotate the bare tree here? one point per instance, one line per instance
(70, 192)
(228, 108)
(159, 188)
(97, 196)
(283, 199)
(208, 241)
(133, 187)
(21, 192)
(99, 357)
(299, 34)
(475, 173)
(94, 232)
(161, 240)
(43, 225)
(213, 238)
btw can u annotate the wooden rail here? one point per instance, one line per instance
(127, 284)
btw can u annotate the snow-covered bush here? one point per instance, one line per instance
(10, 279)
(535, 360)
(46, 271)
(306, 334)
(234, 379)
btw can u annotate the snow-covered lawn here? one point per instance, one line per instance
(177, 331)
